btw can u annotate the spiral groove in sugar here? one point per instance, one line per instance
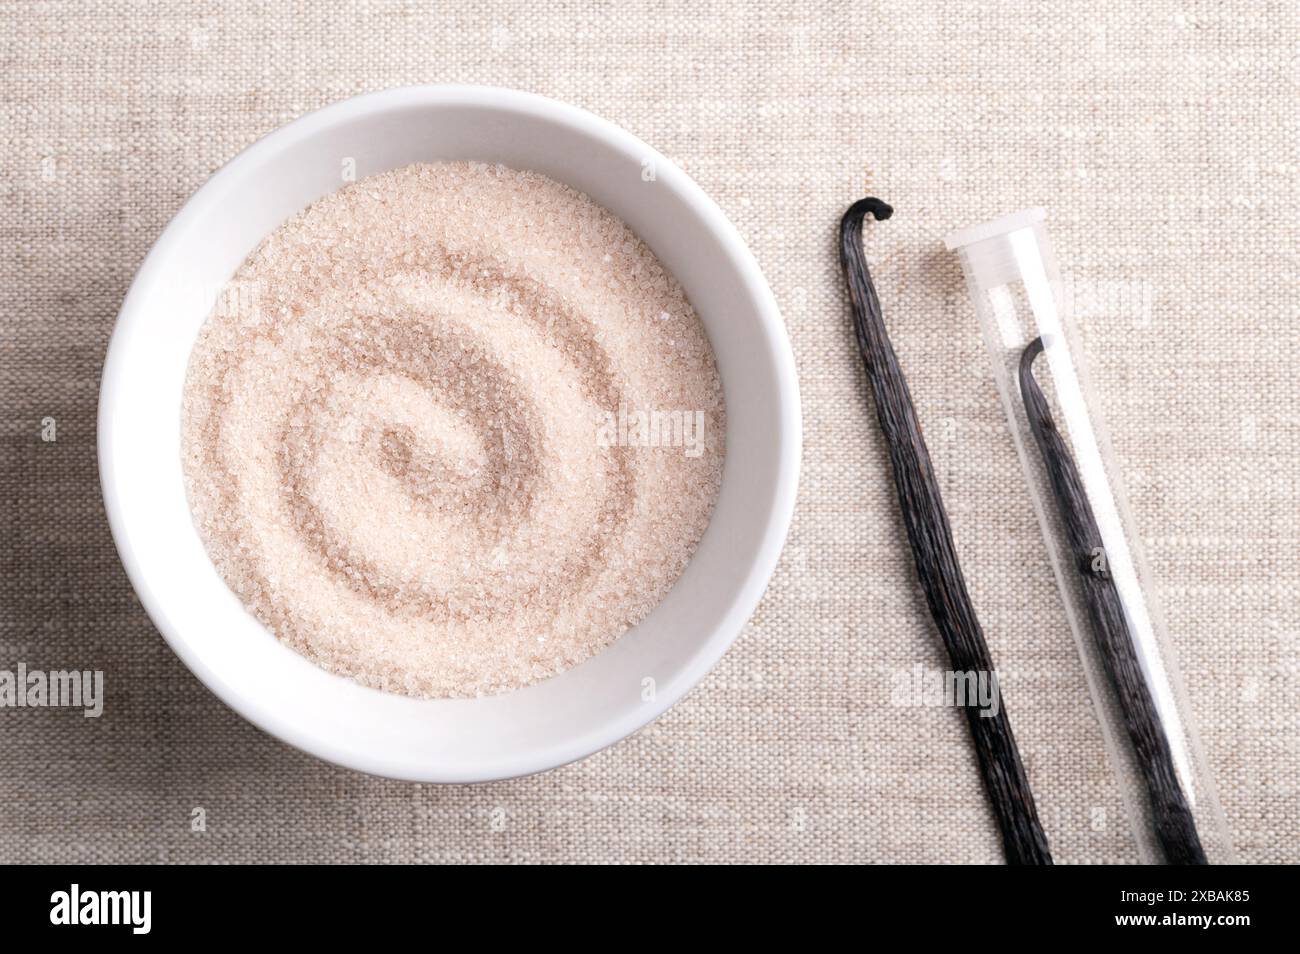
(391, 444)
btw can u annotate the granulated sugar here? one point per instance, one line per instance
(453, 431)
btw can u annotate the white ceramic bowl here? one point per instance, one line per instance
(543, 726)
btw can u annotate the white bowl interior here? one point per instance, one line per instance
(532, 729)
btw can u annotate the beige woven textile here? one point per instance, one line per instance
(1162, 136)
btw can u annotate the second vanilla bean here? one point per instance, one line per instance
(1172, 818)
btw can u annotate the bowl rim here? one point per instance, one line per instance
(788, 429)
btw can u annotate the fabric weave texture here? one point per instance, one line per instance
(1161, 136)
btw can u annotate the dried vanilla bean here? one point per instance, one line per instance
(1023, 840)
(1172, 818)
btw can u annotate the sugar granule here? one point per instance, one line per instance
(397, 430)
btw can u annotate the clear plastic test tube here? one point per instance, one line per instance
(1015, 285)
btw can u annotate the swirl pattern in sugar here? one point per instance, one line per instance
(405, 438)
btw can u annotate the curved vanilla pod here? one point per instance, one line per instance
(1023, 840)
(1172, 818)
